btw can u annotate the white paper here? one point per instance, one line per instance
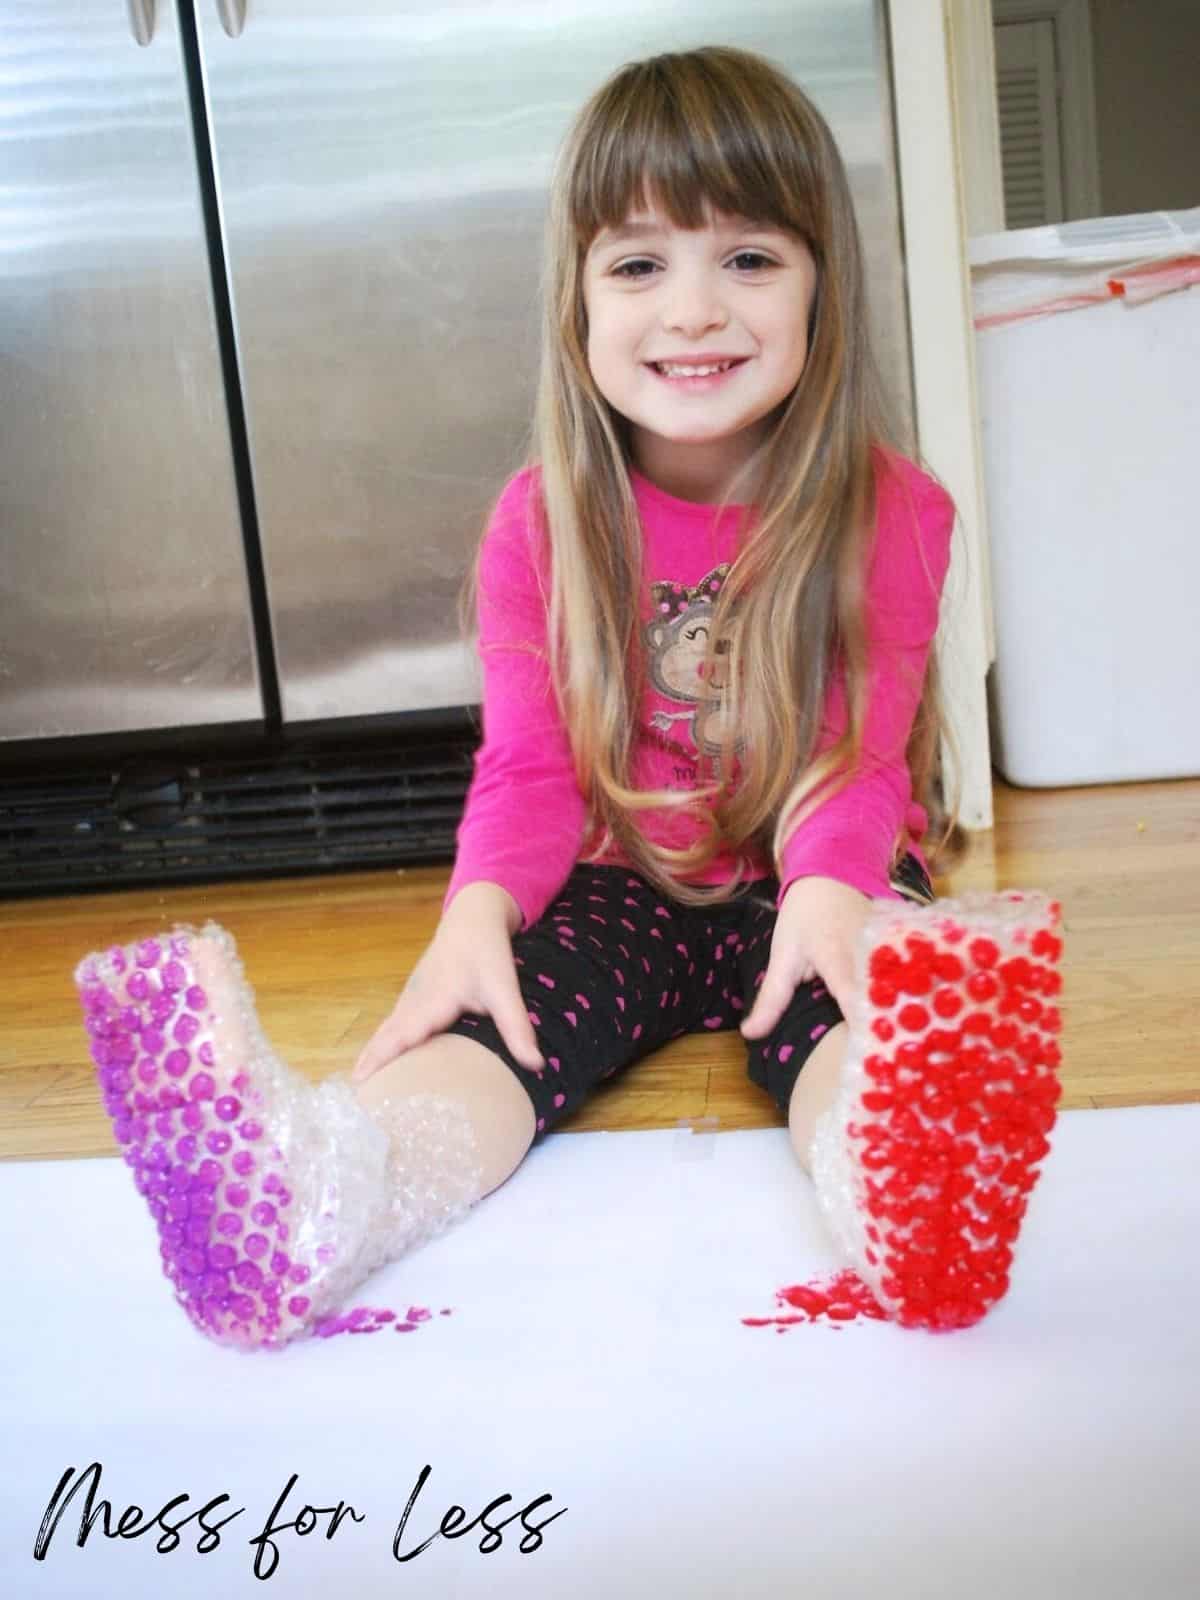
(596, 1355)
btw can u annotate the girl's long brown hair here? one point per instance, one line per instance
(723, 128)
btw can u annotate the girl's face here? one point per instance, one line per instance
(730, 290)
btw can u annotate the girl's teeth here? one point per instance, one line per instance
(692, 372)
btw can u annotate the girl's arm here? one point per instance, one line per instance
(852, 836)
(838, 859)
(524, 821)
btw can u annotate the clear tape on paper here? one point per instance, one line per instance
(695, 1138)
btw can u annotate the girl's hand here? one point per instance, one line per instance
(815, 932)
(468, 966)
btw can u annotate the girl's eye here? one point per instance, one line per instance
(623, 270)
(755, 257)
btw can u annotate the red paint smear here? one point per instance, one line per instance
(842, 1298)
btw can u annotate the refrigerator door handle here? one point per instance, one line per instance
(141, 19)
(233, 16)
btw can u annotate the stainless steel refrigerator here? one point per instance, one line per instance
(268, 324)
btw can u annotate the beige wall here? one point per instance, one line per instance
(1146, 56)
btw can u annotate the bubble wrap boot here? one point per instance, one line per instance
(924, 1163)
(274, 1197)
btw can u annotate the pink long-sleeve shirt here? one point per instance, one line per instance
(525, 824)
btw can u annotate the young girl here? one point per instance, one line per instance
(707, 792)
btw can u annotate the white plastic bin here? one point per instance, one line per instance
(1088, 360)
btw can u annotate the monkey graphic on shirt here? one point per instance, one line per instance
(676, 639)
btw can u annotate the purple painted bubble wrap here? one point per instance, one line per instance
(273, 1197)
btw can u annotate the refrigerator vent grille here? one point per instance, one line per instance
(254, 817)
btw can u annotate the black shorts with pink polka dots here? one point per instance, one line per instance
(613, 970)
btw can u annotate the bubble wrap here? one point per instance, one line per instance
(924, 1163)
(274, 1197)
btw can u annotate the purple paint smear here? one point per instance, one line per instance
(364, 1319)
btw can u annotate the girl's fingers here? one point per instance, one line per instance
(510, 1016)
(408, 1026)
(837, 974)
(383, 1046)
(773, 996)
(383, 1043)
(426, 1008)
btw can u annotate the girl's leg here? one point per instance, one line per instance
(460, 1068)
(608, 974)
(816, 1087)
(275, 1197)
(925, 1122)
(815, 1091)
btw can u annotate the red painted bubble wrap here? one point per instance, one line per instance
(925, 1163)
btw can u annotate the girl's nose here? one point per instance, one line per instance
(694, 306)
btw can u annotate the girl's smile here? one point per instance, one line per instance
(696, 375)
(664, 301)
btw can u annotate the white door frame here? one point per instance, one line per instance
(936, 50)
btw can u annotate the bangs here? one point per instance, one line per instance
(670, 134)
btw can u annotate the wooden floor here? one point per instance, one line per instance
(327, 956)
